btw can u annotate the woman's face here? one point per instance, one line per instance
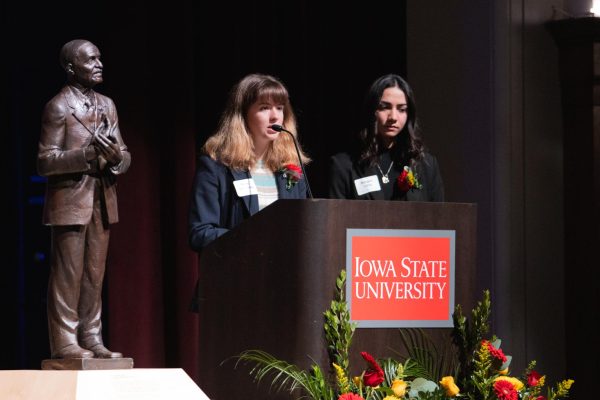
(261, 115)
(391, 114)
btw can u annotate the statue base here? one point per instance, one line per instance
(84, 364)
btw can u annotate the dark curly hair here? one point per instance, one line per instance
(408, 143)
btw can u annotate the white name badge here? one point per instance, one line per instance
(367, 184)
(245, 187)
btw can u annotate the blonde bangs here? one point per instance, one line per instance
(232, 143)
(275, 94)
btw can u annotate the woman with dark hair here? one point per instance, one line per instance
(390, 162)
(246, 164)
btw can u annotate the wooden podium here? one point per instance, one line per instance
(266, 284)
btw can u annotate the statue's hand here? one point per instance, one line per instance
(109, 149)
(101, 163)
(90, 153)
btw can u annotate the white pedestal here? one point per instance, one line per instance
(123, 384)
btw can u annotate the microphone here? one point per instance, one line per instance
(280, 128)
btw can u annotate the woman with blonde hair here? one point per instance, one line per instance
(247, 163)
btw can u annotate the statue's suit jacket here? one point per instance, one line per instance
(67, 129)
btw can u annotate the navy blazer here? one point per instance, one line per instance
(215, 206)
(344, 170)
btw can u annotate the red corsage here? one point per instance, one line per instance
(292, 173)
(408, 180)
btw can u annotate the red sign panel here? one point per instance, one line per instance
(400, 278)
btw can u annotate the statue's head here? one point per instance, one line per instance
(81, 60)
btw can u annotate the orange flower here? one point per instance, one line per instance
(449, 386)
(399, 387)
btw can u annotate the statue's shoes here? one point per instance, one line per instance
(73, 351)
(102, 352)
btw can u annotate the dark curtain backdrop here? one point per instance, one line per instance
(168, 69)
(327, 53)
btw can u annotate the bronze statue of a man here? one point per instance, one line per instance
(81, 152)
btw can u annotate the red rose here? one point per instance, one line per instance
(403, 182)
(373, 376)
(533, 379)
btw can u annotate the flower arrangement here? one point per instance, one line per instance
(292, 173)
(408, 180)
(478, 369)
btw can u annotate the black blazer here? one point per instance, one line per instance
(343, 171)
(215, 206)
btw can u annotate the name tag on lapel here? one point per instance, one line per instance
(245, 187)
(367, 184)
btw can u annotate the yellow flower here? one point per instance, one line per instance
(563, 387)
(542, 381)
(449, 386)
(399, 387)
(357, 381)
(342, 379)
(504, 371)
(517, 384)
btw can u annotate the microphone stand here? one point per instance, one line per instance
(280, 128)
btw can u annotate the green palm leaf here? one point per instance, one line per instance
(286, 376)
(429, 362)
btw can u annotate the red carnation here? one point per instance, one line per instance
(496, 353)
(292, 173)
(373, 376)
(533, 379)
(293, 168)
(505, 390)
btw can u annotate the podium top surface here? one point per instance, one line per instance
(127, 384)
